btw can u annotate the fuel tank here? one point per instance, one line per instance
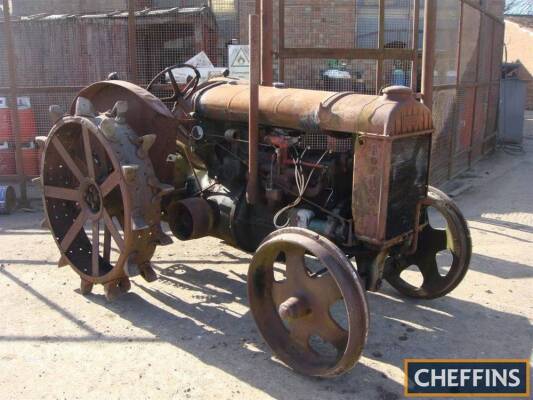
(396, 112)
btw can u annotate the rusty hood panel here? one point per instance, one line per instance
(394, 113)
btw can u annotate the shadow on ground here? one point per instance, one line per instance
(399, 329)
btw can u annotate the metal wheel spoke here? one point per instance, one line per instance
(107, 244)
(430, 272)
(300, 331)
(280, 292)
(96, 249)
(67, 158)
(331, 332)
(436, 239)
(88, 152)
(400, 266)
(73, 231)
(110, 183)
(61, 193)
(326, 287)
(110, 225)
(295, 266)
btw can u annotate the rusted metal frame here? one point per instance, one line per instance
(453, 137)
(281, 40)
(428, 59)
(463, 85)
(43, 89)
(463, 151)
(359, 54)
(252, 190)
(381, 47)
(414, 64)
(489, 84)
(476, 88)
(12, 101)
(267, 25)
(444, 87)
(378, 136)
(479, 8)
(132, 42)
(490, 137)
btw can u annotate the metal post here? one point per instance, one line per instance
(381, 46)
(12, 102)
(267, 25)
(132, 42)
(476, 88)
(428, 57)
(454, 133)
(281, 40)
(414, 65)
(253, 120)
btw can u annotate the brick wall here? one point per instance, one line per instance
(519, 45)
(310, 23)
(30, 7)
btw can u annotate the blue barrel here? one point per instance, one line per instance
(8, 199)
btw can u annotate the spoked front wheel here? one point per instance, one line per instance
(308, 302)
(449, 245)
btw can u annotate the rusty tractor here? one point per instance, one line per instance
(329, 192)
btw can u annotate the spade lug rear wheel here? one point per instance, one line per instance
(101, 196)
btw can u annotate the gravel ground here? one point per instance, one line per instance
(191, 335)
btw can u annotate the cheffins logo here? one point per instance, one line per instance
(467, 378)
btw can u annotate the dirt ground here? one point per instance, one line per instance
(191, 335)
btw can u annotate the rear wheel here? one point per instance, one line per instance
(101, 198)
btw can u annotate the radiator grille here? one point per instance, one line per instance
(408, 182)
(321, 141)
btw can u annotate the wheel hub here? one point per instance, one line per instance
(93, 198)
(294, 308)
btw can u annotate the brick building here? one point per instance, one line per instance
(337, 24)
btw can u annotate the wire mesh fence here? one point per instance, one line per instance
(358, 45)
(468, 56)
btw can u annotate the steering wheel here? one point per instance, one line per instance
(178, 93)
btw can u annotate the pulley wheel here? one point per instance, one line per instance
(451, 244)
(308, 302)
(96, 191)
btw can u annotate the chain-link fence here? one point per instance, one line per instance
(60, 46)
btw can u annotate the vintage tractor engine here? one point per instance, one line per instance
(331, 196)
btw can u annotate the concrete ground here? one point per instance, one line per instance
(191, 335)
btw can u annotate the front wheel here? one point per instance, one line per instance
(308, 302)
(434, 243)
